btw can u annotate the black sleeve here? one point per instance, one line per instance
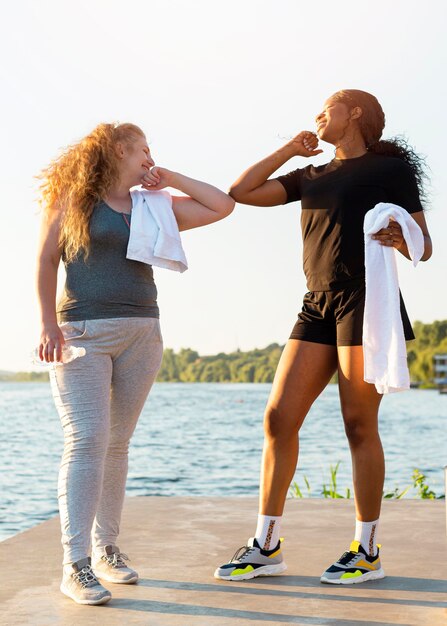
(403, 189)
(292, 184)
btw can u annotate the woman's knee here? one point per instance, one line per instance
(278, 423)
(118, 447)
(91, 442)
(359, 429)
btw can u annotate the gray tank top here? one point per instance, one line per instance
(107, 284)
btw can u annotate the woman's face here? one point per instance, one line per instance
(333, 121)
(136, 160)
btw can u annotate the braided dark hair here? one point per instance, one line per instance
(372, 123)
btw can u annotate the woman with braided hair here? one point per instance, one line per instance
(327, 337)
(109, 304)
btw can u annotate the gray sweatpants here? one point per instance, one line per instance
(99, 398)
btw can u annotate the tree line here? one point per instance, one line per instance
(430, 339)
(187, 366)
(259, 366)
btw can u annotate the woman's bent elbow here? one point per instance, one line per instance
(226, 208)
(427, 252)
(230, 204)
(236, 194)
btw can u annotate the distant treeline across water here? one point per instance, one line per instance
(259, 365)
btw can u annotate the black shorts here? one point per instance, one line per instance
(335, 317)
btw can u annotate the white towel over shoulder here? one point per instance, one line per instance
(154, 235)
(385, 353)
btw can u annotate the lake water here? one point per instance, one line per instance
(206, 439)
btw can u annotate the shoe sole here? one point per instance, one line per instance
(103, 600)
(109, 579)
(266, 570)
(353, 581)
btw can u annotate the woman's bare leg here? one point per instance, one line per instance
(360, 406)
(303, 372)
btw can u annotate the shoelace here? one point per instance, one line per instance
(242, 552)
(86, 577)
(116, 559)
(347, 557)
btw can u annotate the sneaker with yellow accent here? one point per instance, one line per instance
(354, 566)
(251, 561)
(109, 564)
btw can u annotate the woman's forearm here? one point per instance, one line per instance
(46, 290)
(428, 248)
(254, 186)
(403, 249)
(51, 337)
(208, 195)
(257, 174)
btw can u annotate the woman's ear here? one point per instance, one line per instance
(356, 112)
(119, 149)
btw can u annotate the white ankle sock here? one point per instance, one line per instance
(366, 534)
(267, 531)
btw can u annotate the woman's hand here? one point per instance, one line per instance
(158, 178)
(304, 144)
(390, 236)
(51, 343)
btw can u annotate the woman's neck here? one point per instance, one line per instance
(119, 190)
(350, 147)
(118, 197)
(342, 153)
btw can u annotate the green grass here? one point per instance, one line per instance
(418, 488)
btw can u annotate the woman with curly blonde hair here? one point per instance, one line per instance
(109, 304)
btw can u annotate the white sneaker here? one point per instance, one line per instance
(110, 565)
(82, 586)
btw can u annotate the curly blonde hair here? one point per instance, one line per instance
(79, 178)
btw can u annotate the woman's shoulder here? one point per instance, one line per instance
(389, 163)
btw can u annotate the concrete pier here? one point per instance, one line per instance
(176, 543)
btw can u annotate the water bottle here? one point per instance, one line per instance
(69, 353)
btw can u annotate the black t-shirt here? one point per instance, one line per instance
(334, 199)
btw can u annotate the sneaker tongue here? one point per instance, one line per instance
(111, 550)
(355, 546)
(253, 543)
(79, 565)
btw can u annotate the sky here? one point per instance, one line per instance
(216, 87)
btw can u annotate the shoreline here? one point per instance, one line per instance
(43, 377)
(290, 497)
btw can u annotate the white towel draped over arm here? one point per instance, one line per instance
(154, 236)
(385, 354)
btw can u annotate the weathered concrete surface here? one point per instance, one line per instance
(176, 543)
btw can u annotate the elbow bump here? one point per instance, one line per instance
(234, 193)
(230, 205)
(225, 210)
